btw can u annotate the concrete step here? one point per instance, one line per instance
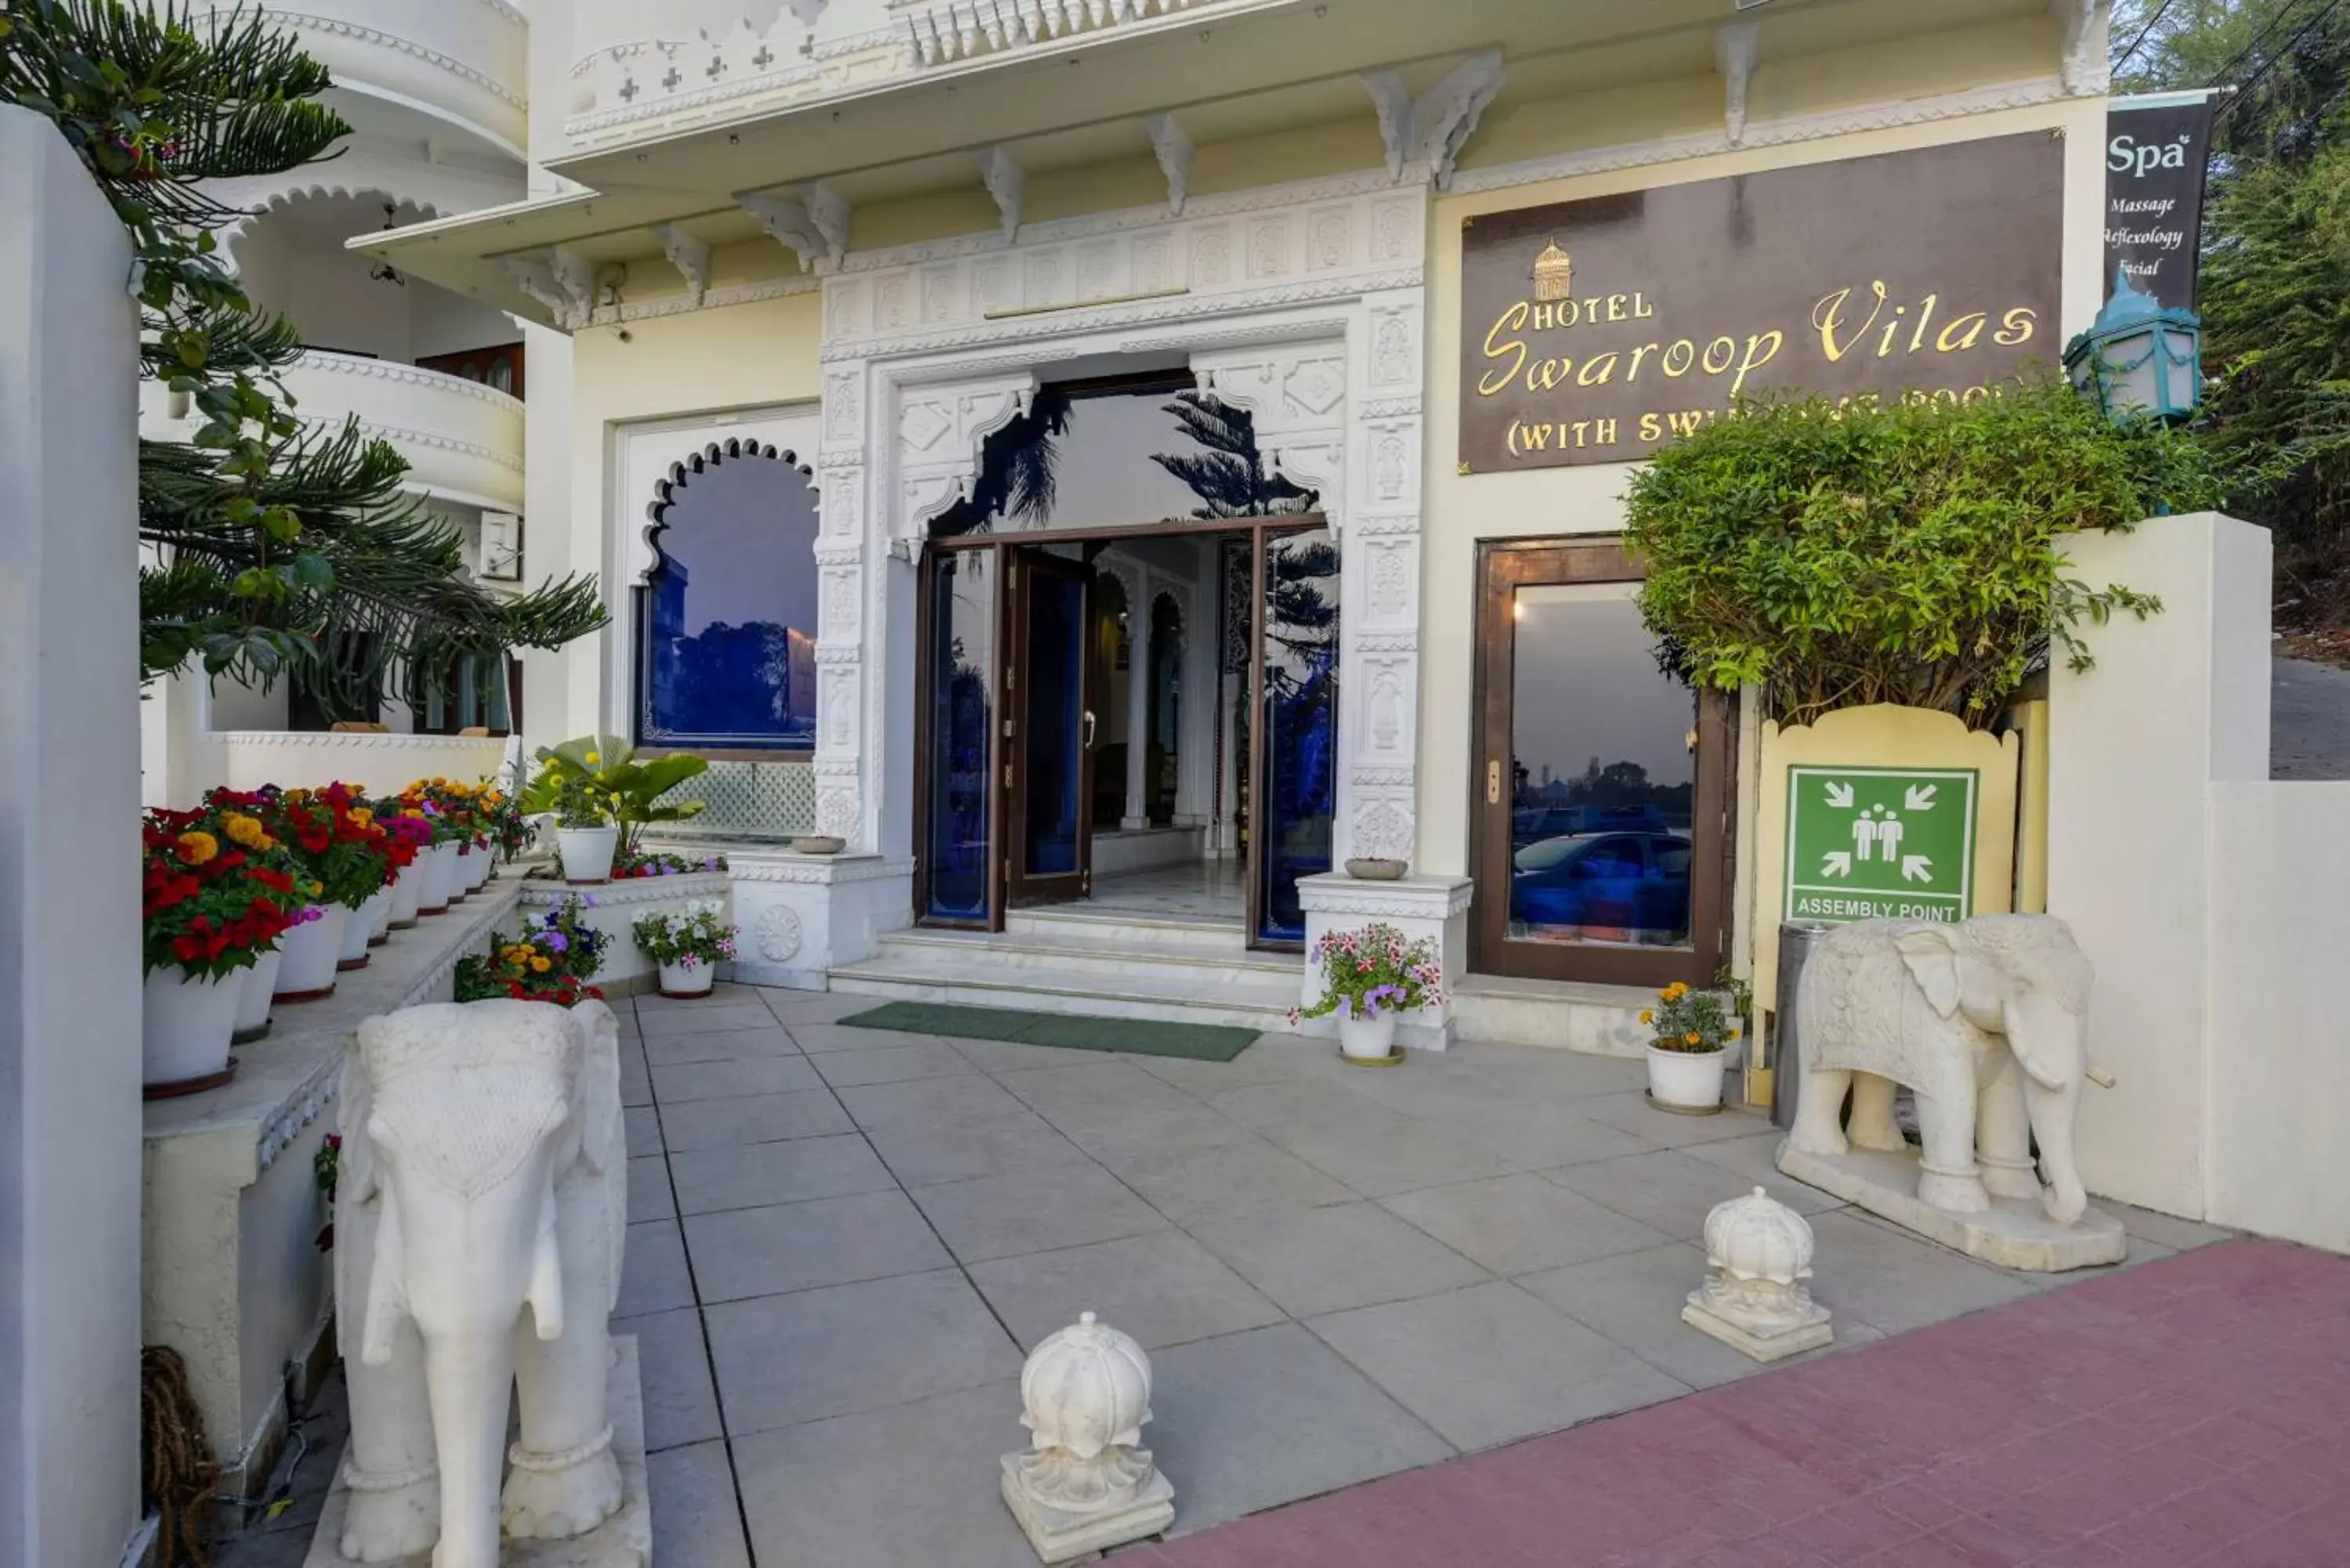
(1602, 1020)
(1068, 951)
(1058, 923)
(1254, 990)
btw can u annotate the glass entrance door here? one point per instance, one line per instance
(1050, 735)
(1599, 838)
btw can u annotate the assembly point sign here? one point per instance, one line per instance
(1867, 844)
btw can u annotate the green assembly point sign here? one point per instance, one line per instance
(1868, 844)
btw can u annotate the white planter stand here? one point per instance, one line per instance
(188, 1023)
(310, 952)
(1370, 1040)
(259, 988)
(1689, 1082)
(587, 854)
(683, 981)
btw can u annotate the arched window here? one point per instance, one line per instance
(726, 618)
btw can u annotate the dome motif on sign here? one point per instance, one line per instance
(1553, 273)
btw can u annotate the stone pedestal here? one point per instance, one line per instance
(623, 1541)
(1085, 1483)
(801, 915)
(2012, 1233)
(1061, 1536)
(1431, 907)
(1758, 1254)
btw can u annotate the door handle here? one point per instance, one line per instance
(1089, 729)
(1493, 782)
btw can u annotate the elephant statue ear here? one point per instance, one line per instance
(602, 1139)
(355, 1179)
(1932, 953)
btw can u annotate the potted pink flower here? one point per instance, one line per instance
(1370, 978)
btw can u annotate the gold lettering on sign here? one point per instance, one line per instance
(1511, 320)
(2015, 326)
(1828, 316)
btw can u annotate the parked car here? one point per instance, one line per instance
(1608, 886)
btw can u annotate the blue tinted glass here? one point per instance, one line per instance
(1055, 738)
(961, 699)
(727, 617)
(1301, 724)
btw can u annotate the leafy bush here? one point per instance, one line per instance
(596, 779)
(1905, 553)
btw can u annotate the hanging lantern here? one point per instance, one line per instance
(2139, 357)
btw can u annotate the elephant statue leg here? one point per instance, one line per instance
(564, 1480)
(2004, 1134)
(1872, 1125)
(1819, 1115)
(1947, 1177)
(394, 1512)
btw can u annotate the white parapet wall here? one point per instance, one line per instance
(306, 759)
(2214, 903)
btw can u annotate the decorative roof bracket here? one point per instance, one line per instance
(559, 278)
(2082, 64)
(814, 222)
(1008, 183)
(1173, 145)
(689, 254)
(1734, 49)
(1432, 129)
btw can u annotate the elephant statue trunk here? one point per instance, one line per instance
(485, 1176)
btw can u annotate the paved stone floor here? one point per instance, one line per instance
(845, 1240)
(2309, 720)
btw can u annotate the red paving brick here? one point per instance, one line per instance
(2192, 1411)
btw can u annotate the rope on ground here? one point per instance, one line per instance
(181, 1470)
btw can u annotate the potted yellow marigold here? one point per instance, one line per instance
(1687, 1049)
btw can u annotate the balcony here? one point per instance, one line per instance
(462, 63)
(462, 440)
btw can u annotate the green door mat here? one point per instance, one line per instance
(1141, 1036)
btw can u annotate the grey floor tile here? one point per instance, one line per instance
(722, 993)
(703, 1018)
(2164, 1230)
(1534, 1134)
(1318, 1260)
(1672, 1192)
(1013, 1056)
(1490, 1363)
(635, 1085)
(1196, 1185)
(1163, 1289)
(835, 1494)
(1121, 1133)
(680, 1406)
(965, 1100)
(892, 1065)
(1894, 1280)
(649, 1192)
(822, 1039)
(652, 1271)
(752, 1176)
(792, 1007)
(1632, 1112)
(1274, 1059)
(1517, 1224)
(920, 1154)
(756, 1118)
(1374, 1150)
(1005, 1216)
(1754, 1156)
(831, 1351)
(797, 1246)
(1097, 1086)
(697, 1520)
(1636, 1300)
(676, 1083)
(730, 1046)
(640, 1126)
(1253, 1420)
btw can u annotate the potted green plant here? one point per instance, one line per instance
(1371, 977)
(594, 786)
(1690, 1042)
(686, 944)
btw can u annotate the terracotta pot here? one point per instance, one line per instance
(683, 981)
(1367, 1039)
(188, 1023)
(260, 986)
(310, 952)
(1686, 1080)
(587, 854)
(406, 893)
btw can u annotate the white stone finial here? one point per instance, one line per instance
(1085, 1484)
(1757, 1252)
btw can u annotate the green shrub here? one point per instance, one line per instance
(1906, 554)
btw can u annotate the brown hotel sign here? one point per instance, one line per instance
(1594, 331)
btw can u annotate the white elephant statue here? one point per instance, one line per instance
(479, 1222)
(1983, 1020)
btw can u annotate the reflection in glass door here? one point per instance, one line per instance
(1599, 827)
(960, 669)
(1298, 695)
(1053, 728)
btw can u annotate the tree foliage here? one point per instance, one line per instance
(1906, 553)
(276, 544)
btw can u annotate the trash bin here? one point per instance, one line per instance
(1795, 939)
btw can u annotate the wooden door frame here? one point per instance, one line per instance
(1013, 783)
(1503, 566)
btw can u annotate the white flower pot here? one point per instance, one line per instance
(460, 871)
(439, 866)
(310, 950)
(188, 1024)
(1686, 1080)
(478, 864)
(1367, 1039)
(379, 928)
(682, 979)
(358, 927)
(587, 852)
(408, 892)
(259, 984)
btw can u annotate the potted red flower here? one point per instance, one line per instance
(214, 893)
(339, 870)
(410, 836)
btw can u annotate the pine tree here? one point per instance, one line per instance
(276, 546)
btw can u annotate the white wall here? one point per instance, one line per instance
(2279, 1074)
(337, 306)
(69, 784)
